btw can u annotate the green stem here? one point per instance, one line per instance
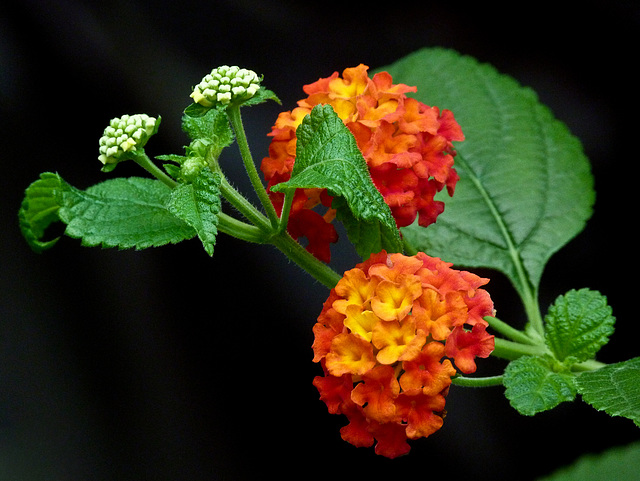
(513, 350)
(508, 331)
(590, 365)
(477, 381)
(240, 230)
(246, 208)
(298, 254)
(145, 162)
(286, 209)
(233, 113)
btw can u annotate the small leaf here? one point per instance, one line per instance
(196, 110)
(39, 210)
(578, 324)
(124, 213)
(328, 157)
(525, 184)
(532, 385)
(198, 204)
(614, 389)
(212, 125)
(262, 95)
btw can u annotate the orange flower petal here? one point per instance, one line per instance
(349, 354)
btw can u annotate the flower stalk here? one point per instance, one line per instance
(233, 112)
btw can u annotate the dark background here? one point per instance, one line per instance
(168, 365)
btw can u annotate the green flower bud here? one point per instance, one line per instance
(124, 135)
(191, 168)
(225, 85)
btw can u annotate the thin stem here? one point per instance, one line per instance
(233, 112)
(286, 209)
(240, 230)
(508, 331)
(513, 350)
(590, 365)
(245, 207)
(298, 254)
(145, 162)
(477, 381)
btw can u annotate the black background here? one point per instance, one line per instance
(168, 365)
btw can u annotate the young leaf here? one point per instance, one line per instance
(213, 125)
(124, 213)
(262, 95)
(198, 204)
(614, 389)
(525, 185)
(327, 156)
(39, 209)
(532, 385)
(578, 324)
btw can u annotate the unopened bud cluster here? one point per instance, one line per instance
(125, 134)
(225, 85)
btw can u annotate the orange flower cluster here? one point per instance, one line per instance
(407, 146)
(388, 338)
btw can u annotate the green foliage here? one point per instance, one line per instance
(39, 210)
(534, 384)
(327, 156)
(198, 204)
(614, 389)
(525, 185)
(616, 464)
(123, 212)
(213, 127)
(578, 324)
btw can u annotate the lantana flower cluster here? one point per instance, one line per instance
(125, 134)
(391, 335)
(407, 145)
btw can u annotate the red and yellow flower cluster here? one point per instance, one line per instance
(388, 338)
(407, 146)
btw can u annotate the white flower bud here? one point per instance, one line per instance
(125, 134)
(225, 85)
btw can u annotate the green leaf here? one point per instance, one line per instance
(532, 385)
(213, 125)
(262, 95)
(39, 209)
(623, 461)
(124, 213)
(525, 185)
(198, 204)
(614, 389)
(327, 156)
(578, 324)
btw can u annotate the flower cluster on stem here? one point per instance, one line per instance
(392, 334)
(125, 135)
(407, 145)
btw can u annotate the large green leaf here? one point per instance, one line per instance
(123, 212)
(525, 185)
(614, 389)
(328, 157)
